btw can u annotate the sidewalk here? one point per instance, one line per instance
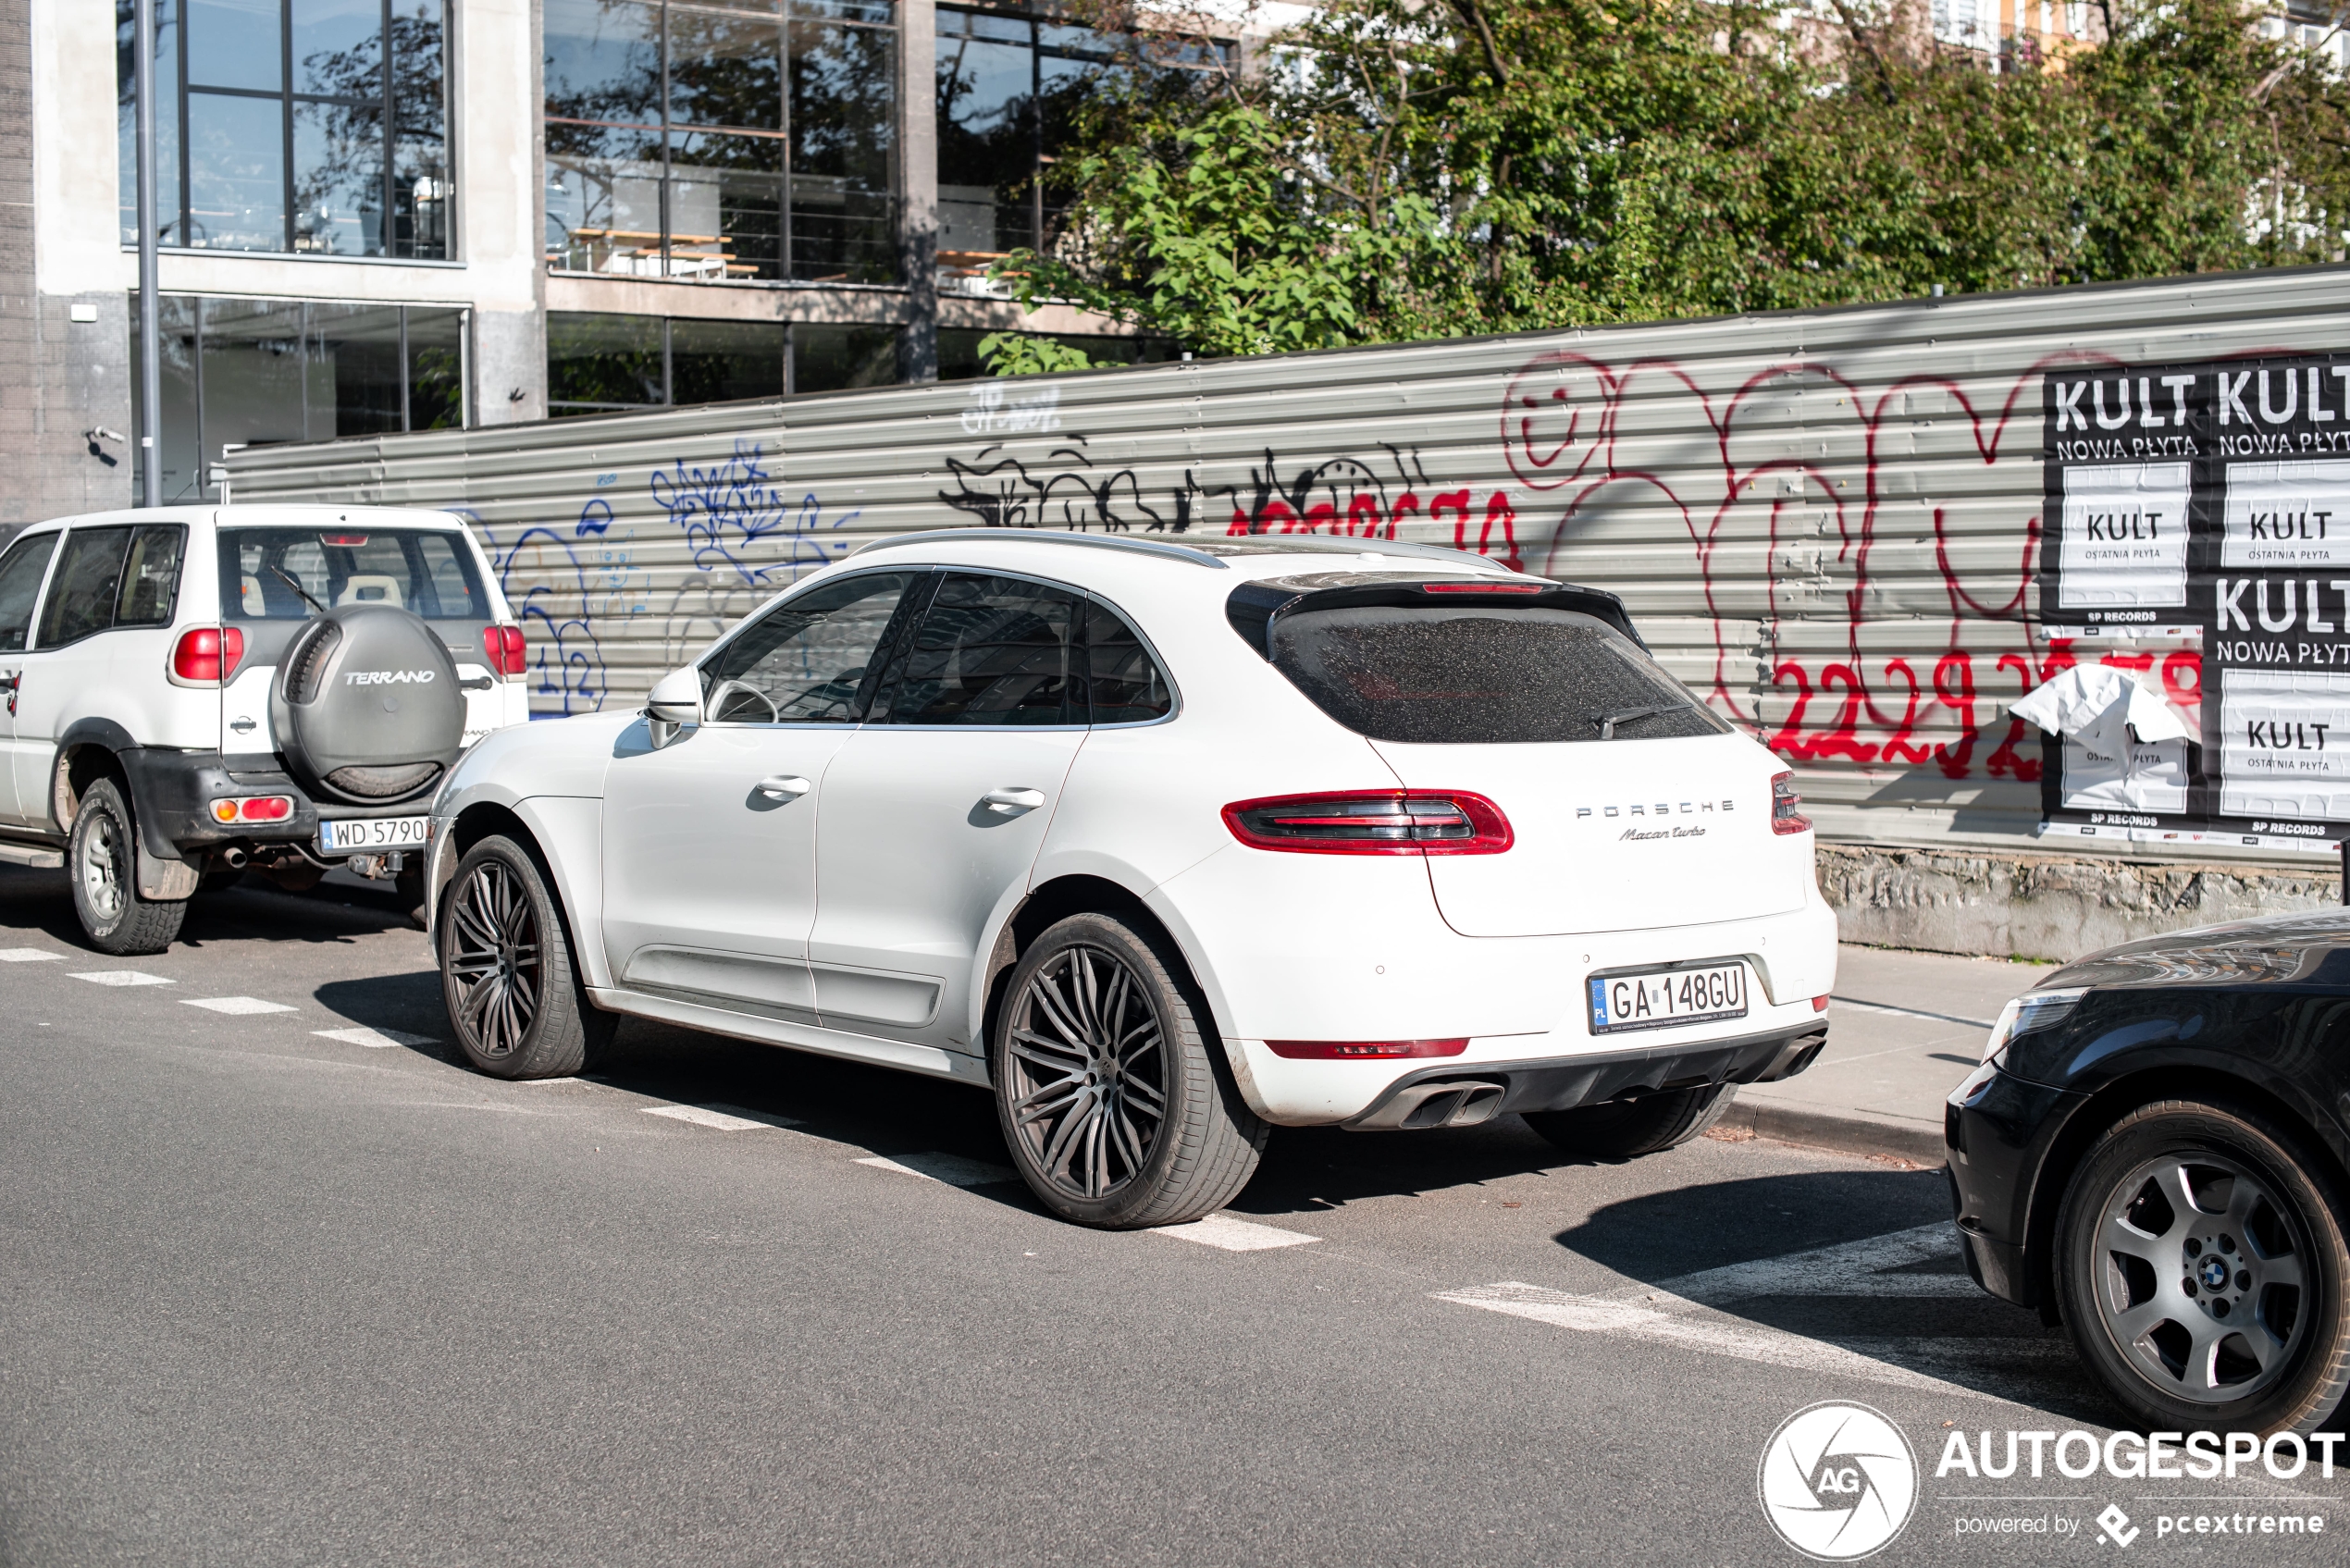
(1903, 1028)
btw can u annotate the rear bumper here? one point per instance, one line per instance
(172, 792)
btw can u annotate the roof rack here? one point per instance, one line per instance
(1206, 553)
(1053, 536)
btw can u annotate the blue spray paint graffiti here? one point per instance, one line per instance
(726, 510)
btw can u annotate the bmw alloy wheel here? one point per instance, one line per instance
(1087, 1054)
(493, 959)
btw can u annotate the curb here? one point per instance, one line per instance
(1845, 1132)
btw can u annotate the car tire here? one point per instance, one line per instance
(102, 862)
(516, 999)
(1116, 1111)
(2247, 1328)
(1629, 1129)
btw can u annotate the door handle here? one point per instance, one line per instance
(1012, 801)
(782, 786)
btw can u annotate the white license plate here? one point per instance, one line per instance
(357, 835)
(1654, 999)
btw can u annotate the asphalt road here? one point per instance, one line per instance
(276, 1292)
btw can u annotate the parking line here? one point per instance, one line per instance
(123, 977)
(28, 955)
(732, 1118)
(234, 1004)
(1908, 1012)
(1235, 1235)
(374, 1039)
(953, 1169)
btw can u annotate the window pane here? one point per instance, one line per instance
(804, 662)
(259, 384)
(167, 119)
(715, 361)
(339, 180)
(604, 200)
(151, 579)
(182, 475)
(603, 61)
(352, 372)
(235, 173)
(435, 369)
(81, 596)
(21, 573)
(234, 43)
(1125, 686)
(830, 359)
(596, 362)
(420, 142)
(419, 570)
(991, 651)
(726, 69)
(986, 143)
(725, 206)
(843, 135)
(338, 48)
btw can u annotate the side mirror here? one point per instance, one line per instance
(675, 702)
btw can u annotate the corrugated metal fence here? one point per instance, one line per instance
(1826, 522)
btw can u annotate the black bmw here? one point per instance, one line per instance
(2156, 1152)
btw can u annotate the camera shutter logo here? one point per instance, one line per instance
(1838, 1481)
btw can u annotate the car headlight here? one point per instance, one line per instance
(2034, 1009)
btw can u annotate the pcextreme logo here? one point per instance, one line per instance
(1838, 1481)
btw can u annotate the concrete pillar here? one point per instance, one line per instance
(918, 188)
(497, 91)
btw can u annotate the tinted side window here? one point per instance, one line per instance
(151, 576)
(89, 577)
(804, 662)
(21, 572)
(1123, 681)
(990, 650)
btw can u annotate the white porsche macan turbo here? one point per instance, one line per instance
(1165, 843)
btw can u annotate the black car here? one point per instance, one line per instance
(2156, 1152)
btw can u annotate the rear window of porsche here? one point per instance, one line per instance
(287, 573)
(1476, 677)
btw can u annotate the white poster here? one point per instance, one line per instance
(2285, 745)
(2125, 537)
(2287, 516)
(2155, 778)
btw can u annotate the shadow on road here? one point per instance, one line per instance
(336, 910)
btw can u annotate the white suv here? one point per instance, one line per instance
(198, 691)
(1165, 843)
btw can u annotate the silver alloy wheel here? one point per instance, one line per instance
(2199, 1278)
(493, 958)
(101, 867)
(1087, 1058)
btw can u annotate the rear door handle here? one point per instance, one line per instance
(782, 786)
(1011, 802)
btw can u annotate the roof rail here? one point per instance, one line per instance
(1053, 536)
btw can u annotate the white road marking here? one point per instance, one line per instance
(535, 1083)
(123, 977)
(953, 1169)
(1832, 1271)
(1235, 1235)
(1909, 1012)
(733, 1119)
(375, 1039)
(234, 1004)
(28, 955)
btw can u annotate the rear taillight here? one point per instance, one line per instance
(1785, 818)
(504, 648)
(1386, 822)
(1327, 1050)
(254, 809)
(207, 655)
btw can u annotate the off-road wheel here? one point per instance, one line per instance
(102, 860)
(514, 998)
(1629, 1129)
(1115, 1108)
(2200, 1267)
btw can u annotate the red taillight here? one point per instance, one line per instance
(207, 655)
(1482, 587)
(504, 648)
(346, 541)
(1819, 1003)
(1382, 822)
(254, 809)
(1326, 1050)
(1785, 818)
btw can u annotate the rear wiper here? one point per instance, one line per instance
(1607, 721)
(288, 578)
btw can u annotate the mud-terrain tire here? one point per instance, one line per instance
(1625, 1129)
(102, 862)
(516, 999)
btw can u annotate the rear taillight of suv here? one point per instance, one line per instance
(505, 649)
(1387, 821)
(207, 655)
(1784, 816)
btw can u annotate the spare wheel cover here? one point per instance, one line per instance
(367, 705)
